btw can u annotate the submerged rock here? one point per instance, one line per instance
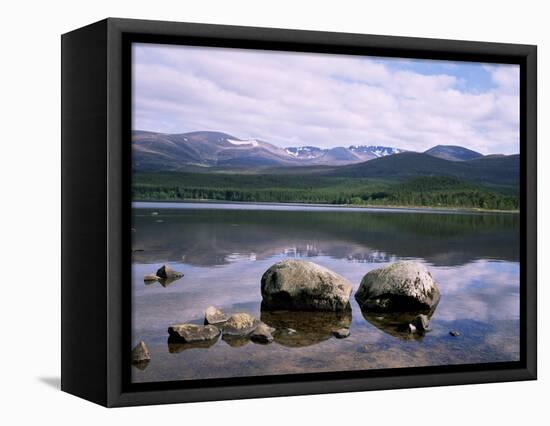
(454, 333)
(151, 278)
(191, 333)
(422, 323)
(341, 333)
(302, 285)
(140, 353)
(401, 286)
(240, 324)
(214, 316)
(166, 271)
(262, 334)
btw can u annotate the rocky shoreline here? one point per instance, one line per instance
(399, 299)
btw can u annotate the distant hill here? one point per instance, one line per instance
(489, 171)
(452, 153)
(159, 151)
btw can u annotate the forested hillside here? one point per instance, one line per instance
(419, 191)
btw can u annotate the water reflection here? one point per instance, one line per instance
(473, 258)
(395, 324)
(141, 365)
(298, 329)
(176, 346)
(220, 237)
(235, 341)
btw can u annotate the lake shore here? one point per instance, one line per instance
(141, 203)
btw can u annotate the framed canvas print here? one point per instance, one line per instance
(252, 212)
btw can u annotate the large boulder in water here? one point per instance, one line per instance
(302, 285)
(400, 287)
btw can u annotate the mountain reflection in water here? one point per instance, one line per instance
(218, 237)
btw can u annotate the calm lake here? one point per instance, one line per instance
(223, 250)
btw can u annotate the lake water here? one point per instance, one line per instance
(223, 250)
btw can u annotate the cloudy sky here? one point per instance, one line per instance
(294, 99)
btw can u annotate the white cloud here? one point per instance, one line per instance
(325, 100)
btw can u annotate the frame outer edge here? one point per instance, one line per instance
(531, 193)
(83, 187)
(116, 396)
(115, 221)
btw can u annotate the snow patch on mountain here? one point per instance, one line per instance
(304, 152)
(377, 151)
(252, 142)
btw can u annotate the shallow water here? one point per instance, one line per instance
(224, 251)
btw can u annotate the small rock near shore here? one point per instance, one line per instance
(214, 316)
(240, 324)
(166, 271)
(341, 333)
(454, 333)
(401, 286)
(140, 353)
(411, 329)
(300, 285)
(191, 333)
(262, 334)
(151, 277)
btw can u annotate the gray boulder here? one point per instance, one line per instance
(140, 353)
(400, 287)
(192, 333)
(214, 316)
(166, 271)
(302, 285)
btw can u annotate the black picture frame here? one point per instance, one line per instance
(96, 173)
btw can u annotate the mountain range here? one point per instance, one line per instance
(160, 151)
(203, 150)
